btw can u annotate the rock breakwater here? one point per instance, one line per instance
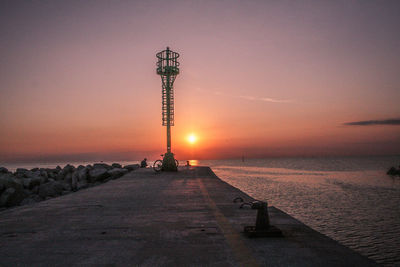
(29, 186)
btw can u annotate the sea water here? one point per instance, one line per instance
(350, 199)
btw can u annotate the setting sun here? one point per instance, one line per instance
(192, 139)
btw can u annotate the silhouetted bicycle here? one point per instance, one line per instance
(157, 165)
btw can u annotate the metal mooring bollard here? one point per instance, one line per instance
(263, 227)
(262, 220)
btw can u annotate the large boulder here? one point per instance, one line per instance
(116, 165)
(59, 176)
(3, 170)
(132, 167)
(43, 173)
(68, 178)
(66, 186)
(82, 184)
(5, 180)
(30, 183)
(50, 189)
(117, 172)
(36, 173)
(98, 174)
(68, 168)
(43, 179)
(52, 173)
(80, 167)
(23, 173)
(74, 180)
(35, 190)
(63, 174)
(11, 197)
(102, 165)
(8, 180)
(35, 176)
(82, 174)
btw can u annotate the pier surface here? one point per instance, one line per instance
(168, 219)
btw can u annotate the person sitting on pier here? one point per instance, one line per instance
(143, 164)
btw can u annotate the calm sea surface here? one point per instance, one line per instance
(351, 200)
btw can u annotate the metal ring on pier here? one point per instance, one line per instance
(245, 204)
(238, 199)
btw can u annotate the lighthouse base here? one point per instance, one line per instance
(169, 163)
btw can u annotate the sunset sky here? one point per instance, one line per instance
(258, 78)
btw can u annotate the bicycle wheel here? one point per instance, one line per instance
(157, 166)
(177, 163)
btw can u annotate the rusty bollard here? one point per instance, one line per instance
(263, 227)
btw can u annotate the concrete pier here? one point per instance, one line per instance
(168, 219)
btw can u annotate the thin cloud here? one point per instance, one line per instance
(374, 122)
(263, 99)
(276, 100)
(248, 97)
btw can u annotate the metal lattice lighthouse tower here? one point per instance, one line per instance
(167, 68)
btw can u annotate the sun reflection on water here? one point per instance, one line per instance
(193, 162)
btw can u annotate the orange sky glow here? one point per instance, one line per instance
(258, 78)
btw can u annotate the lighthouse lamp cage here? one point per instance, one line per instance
(167, 68)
